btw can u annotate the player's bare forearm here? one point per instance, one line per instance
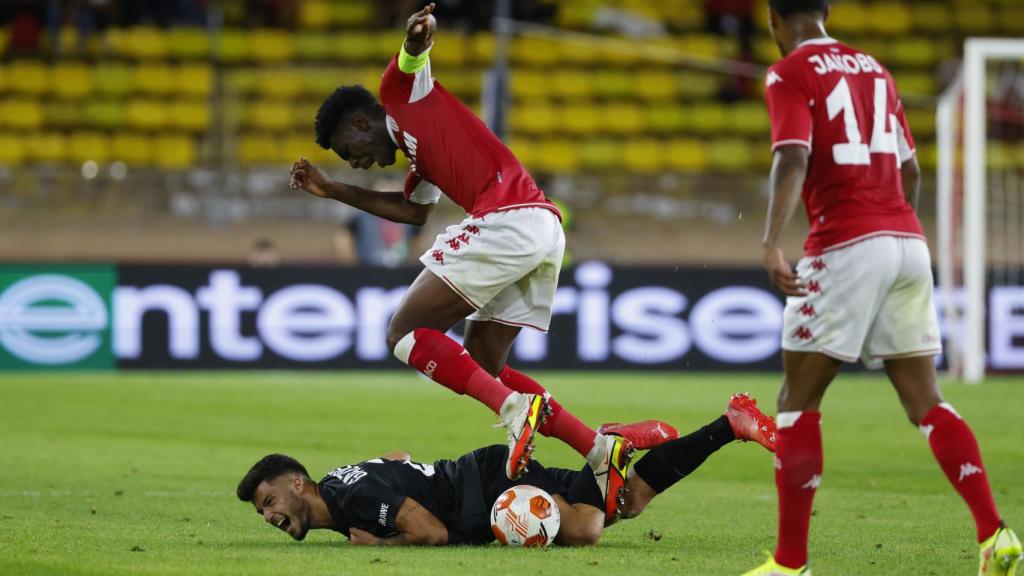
(789, 169)
(420, 30)
(910, 172)
(418, 527)
(388, 205)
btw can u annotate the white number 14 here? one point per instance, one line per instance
(883, 133)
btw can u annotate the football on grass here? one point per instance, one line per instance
(525, 516)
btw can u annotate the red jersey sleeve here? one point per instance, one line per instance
(789, 108)
(397, 87)
(904, 140)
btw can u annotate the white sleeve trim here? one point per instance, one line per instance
(425, 193)
(791, 142)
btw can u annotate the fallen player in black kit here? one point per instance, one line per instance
(391, 500)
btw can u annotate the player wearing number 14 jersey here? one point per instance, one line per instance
(863, 289)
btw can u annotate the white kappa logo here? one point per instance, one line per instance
(51, 319)
(969, 469)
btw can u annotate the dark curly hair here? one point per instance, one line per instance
(269, 467)
(343, 100)
(786, 8)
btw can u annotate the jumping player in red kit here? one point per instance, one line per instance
(498, 268)
(863, 289)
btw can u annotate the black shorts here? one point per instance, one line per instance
(480, 478)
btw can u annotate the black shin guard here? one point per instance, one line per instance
(669, 463)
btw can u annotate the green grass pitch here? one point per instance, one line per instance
(135, 473)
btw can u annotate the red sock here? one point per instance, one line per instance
(561, 423)
(798, 466)
(446, 362)
(957, 451)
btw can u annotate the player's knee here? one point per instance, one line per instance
(585, 536)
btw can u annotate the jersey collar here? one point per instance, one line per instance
(818, 42)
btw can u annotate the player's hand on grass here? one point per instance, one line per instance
(310, 178)
(420, 29)
(781, 273)
(363, 538)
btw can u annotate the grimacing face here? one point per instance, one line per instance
(361, 142)
(280, 503)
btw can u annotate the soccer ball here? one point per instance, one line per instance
(525, 516)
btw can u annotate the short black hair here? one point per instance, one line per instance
(786, 8)
(343, 100)
(268, 468)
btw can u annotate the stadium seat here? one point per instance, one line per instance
(46, 147)
(22, 114)
(848, 18)
(706, 45)
(312, 46)
(132, 149)
(232, 46)
(698, 85)
(71, 80)
(748, 118)
(686, 154)
(528, 84)
(481, 47)
(523, 149)
(386, 43)
(153, 78)
(708, 118)
(888, 18)
(188, 43)
(922, 122)
(931, 18)
(529, 50)
(314, 14)
(241, 81)
(356, 47)
(319, 82)
(730, 154)
(557, 155)
(1011, 19)
(84, 146)
(28, 77)
(571, 84)
(448, 51)
(580, 120)
(533, 117)
(12, 150)
(666, 118)
(280, 83)
(301, 144)
(62, 114)
(922, 83)
(268, 46)
(258, 149)
(193, 79)
(601, 154)
(974, 18)
(766, 51)
(655, 85)
(622, 118)
(3, 77)
(352, 13)
(103, 113)
(612, 84)
(916, 52)
(681, 14)
(112, 79)
(175, 151)
(146, 114)
(143, 43)
(643, 155)
(190, 115)
(269, 115)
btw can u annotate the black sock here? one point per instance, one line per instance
(584, 489)
(669, 463)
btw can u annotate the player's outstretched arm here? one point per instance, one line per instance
(789, 169)
(419, 30)
(910, 172)
(416, 527)
(388, 205)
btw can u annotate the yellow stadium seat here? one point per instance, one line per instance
(46, 148)
(175, 151)
(313, 46)
(114, 79)
(449, 50)
(319, 82)
(481, 47)
(643, 155)
(698, 85)
(601, 154)
(582, 120)
(188, 43)
(536, 117)
(194, 79)
(848, 18)
(3, 76)
(71, 81)
(765, 50)
(921, 83)
(761, 155)
(384, 45)
(571, 84)
(271, 46)
(880, 48)
(1011, 19)
(62, 114)
(654, 85)
(529, 84)
(22, 114)
(84, 146)
(708, 118)
(241, 81)
(523, 150)
(154, 79)
(557, 155)
(269, 115)
(572, 54)
(749, 118)
(302, 144)
(682, 15)
(315, 14)
(28, 77)
(354, 47)
(258, 149)
(915, 52)
(706, 45)
(106, 114)
(533, 51)
(132, 149)
(974, 18)
(280, 83)
(932, 18)
(146, 114)
(730, 154)
(612, 84)
(623, 118)
(232, 46)
(143, 43)
(12, 150)
(190, 115)
(922, 122)
(353, 13)
(665, 118)
(889, 18)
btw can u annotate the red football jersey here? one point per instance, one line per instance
(450, 148)
(842, 105)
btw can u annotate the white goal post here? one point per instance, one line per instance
(963, 210)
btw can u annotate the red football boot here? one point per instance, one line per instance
(749, 423)
(644, 435)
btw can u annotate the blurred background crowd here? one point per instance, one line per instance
(142, 130)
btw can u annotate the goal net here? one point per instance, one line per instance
(980, 129)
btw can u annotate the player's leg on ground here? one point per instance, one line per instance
(951, 439)
(669, 463)
(798, 453)
(581, 524)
